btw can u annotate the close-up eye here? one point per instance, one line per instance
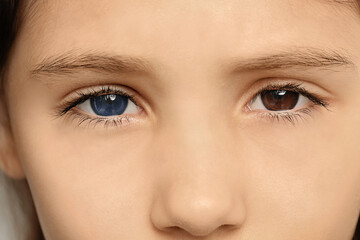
(109, 105)
(278, 100)
(285, 101)
(284, 97)
(105, 105)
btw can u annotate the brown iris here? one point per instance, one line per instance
(279, 100)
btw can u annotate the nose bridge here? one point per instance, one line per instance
(195, 119)
(197, 183)
(197, 140)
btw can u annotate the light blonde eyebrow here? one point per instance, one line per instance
(348, 3)
(353, 5)
(71, 63)
(302, 58)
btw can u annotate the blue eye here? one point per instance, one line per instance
(108, 105)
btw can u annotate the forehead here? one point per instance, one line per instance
(36, 11)
(141, 27)
(34, 8)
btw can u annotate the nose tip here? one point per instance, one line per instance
(198, 217)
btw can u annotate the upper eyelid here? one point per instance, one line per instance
(98, 90)
(286, 87)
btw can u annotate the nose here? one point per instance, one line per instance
(197, 214)
(198, 192)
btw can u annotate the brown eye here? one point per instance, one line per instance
(279, 100)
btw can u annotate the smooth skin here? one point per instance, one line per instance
(195, 162)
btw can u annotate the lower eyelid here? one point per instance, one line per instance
(301, 112)
(85, 120)
(292, 117)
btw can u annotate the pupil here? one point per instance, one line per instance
(279, 100)
(109, 105)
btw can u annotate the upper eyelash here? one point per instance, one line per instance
(295, 87)
(291, 117)
(82, 97)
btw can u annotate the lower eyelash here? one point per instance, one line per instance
(286, 116)
(89, 121)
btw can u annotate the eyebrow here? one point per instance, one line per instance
(346, 3)
(302, 58)
(70, 63)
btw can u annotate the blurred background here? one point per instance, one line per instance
(16, 212)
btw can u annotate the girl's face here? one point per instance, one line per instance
(188, 119)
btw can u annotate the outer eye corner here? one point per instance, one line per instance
(248, 107)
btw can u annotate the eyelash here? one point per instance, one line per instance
(67, 107)
(290, 116)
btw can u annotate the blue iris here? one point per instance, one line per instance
(109, 105)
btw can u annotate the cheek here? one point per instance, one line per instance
(92, 174)
(304, 177)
